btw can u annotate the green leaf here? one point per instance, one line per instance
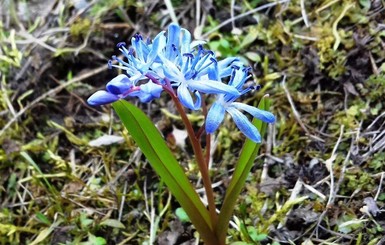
(365, 3)
(42, 218)
(94, 240)
(70, 136)
(150, 141)
(84, 221)
(242, 169)
(348, 223)
(251, 36)
(254, 235)
(112, 223)
(241, 243)
(182, 215)
(253, 56)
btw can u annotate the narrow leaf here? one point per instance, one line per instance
(43, 234)
(150, 141)
(242, 169)
(42, 218)
(113, 223)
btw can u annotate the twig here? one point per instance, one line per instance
(375, 120)
(198, 12)
(123, 200)
(269, 145)
(373, 63)
(304, 15)
(329, 166)
(335, 24)
(214, 143)
(294, 195)
(6, 98)
(338, 234)
(127, 18)
(317, 11)
(81, 100)
(80, 12)
(378, 137)
(232, 6)
(305, 37)
(213, 185)
(297, 116)
(379, 145)
(315, 191)
(381, 242)
(379, 186)
(51, 93)
(242, 15)
(171, 10)
(38, 41)
(333, 189)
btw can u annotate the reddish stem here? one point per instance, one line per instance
(197, 148)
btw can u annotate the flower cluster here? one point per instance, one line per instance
(173, 62)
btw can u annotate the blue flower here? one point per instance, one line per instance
(226, 103)
(140, 56)
(147, 92)
(120, 87)
(191, 72)
(171, 60)
(175, 63)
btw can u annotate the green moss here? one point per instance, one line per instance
(80, 28)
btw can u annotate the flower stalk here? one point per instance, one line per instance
(202, 163)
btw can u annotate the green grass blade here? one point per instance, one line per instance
(149, 140)
(36, 167)
(242, 169)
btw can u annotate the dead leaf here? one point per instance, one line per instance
(106, 140)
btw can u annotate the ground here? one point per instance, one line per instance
(319, 177)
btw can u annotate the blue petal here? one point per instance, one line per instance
(151, 88)
(139, 47)
(211, 87)
(185, 96)
(171, 71)
(173, 36)
(136, 77)
(226, 66)
(214, 117)
(185, 42)
(226, 62)
(142, 96)
(198, 101)
(255, 112)
(145, 98)
(119, 85)
(237, 78)
(158, 44)
(101, 98)
(196, 43)
(246, 127)
(225, 72)
(203, 63)
(213, 72)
